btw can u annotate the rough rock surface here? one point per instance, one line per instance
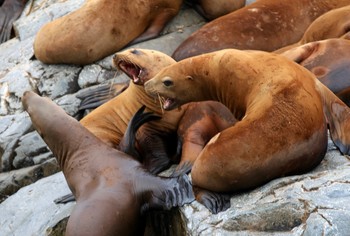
(316, 203)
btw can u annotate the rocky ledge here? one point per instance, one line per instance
(316, 203)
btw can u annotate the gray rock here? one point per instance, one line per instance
(11, 182)
(37, 214)
(12, 127)
(30, 146)
(42, 12)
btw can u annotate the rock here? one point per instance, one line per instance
(316, 203)
(31, 211)
(11, 182)
(30, 145)
(12, 127)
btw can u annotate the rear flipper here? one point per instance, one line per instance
(214, 202)
(183, 168)
(96, 96)
(176, 192)
(65, 199)
(127, 144)
(337, 114)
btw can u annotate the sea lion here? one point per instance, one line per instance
(332, 24)
(109, 121)
(282, 111)
(263, 25)
(10, 10)
(110, 194)
(100, 28)
(195, 124)
(329, 60)
(210, 9)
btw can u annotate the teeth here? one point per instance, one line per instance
(140, 73)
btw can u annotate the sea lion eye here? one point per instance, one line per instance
(168, 83)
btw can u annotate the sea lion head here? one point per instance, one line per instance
(141, 64)
(175, 86)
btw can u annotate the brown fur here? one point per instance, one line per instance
(213, 9)
(263, 25)
(332, 24)
(281, 107)
(110, 194)
(100, 28)
(329, 60)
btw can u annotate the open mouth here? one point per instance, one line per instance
(133, 71)
(167, 103)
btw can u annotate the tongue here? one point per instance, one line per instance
(167, 103)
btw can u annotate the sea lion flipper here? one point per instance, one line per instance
(337, 114)
(127, 144)
(96, 96)
(214, 202)
(182, 168)
(177, 192)
(65, 199)
(155, 27)
(9, 12)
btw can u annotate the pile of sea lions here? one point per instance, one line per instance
(246, 99)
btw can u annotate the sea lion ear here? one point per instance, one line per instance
(188, 77)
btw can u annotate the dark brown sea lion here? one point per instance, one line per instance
(282, 110)
(210, 9)
(329, 60)
(100, 28)
(110, 194)
(263, 25)
(332, 24)
(10, 10)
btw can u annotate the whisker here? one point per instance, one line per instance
(161, 102)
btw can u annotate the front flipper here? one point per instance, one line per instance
(127, 144)
(173, 193)
(214, 202)
(9, 12)
(156, 26)
(96, 96)
(183, 168)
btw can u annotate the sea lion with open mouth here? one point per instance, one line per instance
(282, 110)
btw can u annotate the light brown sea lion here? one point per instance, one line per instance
(283, 111)
(100, 28)
(332, 24)
(196, 123)
(110, 194)
(109, 121)
(10, 10)
(263, 25)
(329, 60)
(210, 9)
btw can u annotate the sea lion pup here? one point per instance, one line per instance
(110, 193)
(263, 25)
(210, 9)
(281, 108)
(10, 10)
(332, 24)
(100, 28)
(329, 60)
